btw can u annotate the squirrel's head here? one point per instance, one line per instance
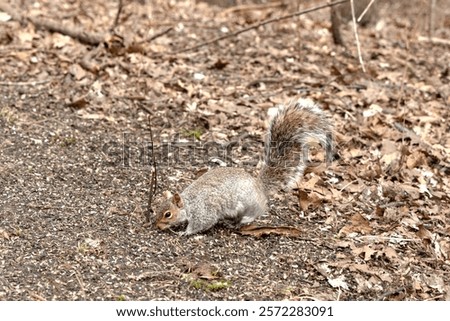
(169, 213)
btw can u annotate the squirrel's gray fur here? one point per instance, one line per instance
(233, 194)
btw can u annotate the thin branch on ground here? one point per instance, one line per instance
(306, 297)
(434, 40)
(390, 293)
(260, 24)
(355, 30)
(116, 19)
(432, 18)
(392, 204)
(37, 297)
(401, 95)
(24, 83)
(72, 31)
(361, 16)
(156, 35)
(384, 238)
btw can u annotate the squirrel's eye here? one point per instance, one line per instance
(167, 215)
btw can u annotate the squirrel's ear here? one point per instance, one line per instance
(176, 199)
(167, 195)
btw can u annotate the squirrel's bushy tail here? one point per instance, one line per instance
(287, 143)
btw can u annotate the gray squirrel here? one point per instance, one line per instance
(232, 194)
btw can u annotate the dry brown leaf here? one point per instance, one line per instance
(303, 200)
(203, 270)
(78, 103)
(434, 282)
(366, 251)
(388, 147)
(390, 253)
(358, 224)
(415, 160)
(259, 231)
(77, 71)
(412, 191)
(424, 233)
(311, 183)
(444, 246)
(4, 234)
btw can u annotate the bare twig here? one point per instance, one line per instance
(260, 24)
(153, 178)
(435, 41)
(402, 87)
(390, 293)
(306, 297)
(156, 35)
(116, 19)
(80, 282)
(391, 204)
(384, 238)
(355, 30)
(347, 185)
(24, 83)
(37, 297)
(71, 31)
(361, 16)
(432, 18)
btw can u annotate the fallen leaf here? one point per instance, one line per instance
(204, 271)
(358, 224)
(4, 234)
(303, 200)
(366, 251)
(78, 103)
(259, 231)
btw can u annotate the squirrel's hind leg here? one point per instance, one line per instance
(246, 220)
(252, 212)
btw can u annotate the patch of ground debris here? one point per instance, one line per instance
(74, 152)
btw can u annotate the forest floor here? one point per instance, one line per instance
(74, 156)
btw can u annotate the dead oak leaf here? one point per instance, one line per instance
(358, 224)
(390, 253)
(306, 199)
(424, 234)
(444, 246)
(365, 251)
(435, 282)
(259, 231)
(203, 270)
(303, 200)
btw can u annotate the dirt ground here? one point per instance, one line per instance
(74, 165)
